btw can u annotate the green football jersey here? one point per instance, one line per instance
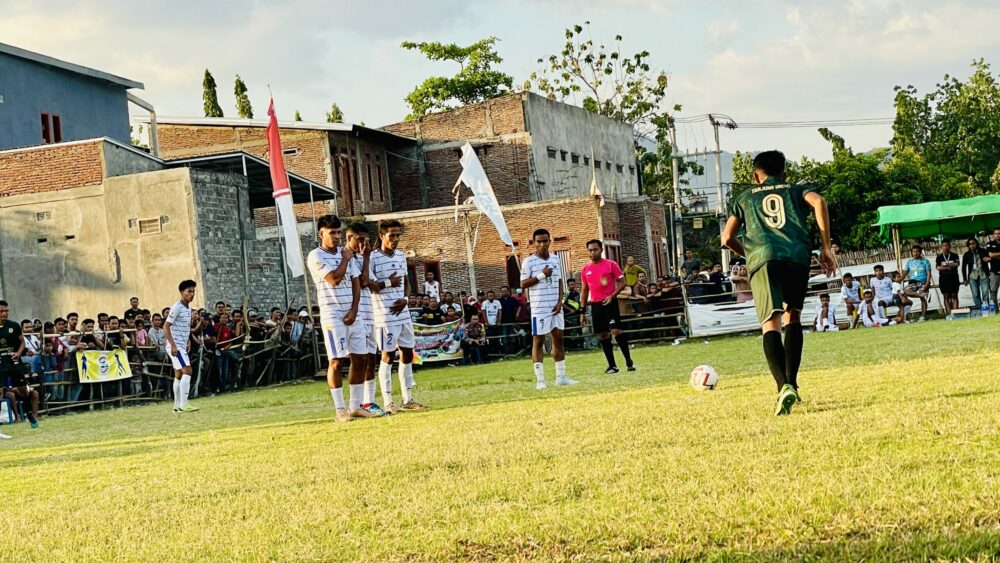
(774, 223)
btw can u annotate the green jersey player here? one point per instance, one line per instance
(775, 240)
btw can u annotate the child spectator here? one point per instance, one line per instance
(899, 298)
(850, 293)
(871, 315)
(826, 320)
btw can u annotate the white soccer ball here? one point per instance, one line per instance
(704, 378)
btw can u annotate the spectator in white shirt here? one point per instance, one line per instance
(850, 294)
(882, 286)
(826, 320)
(871, 315)
(432, 287)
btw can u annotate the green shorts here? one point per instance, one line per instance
(779, 286)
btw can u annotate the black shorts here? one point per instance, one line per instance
(779, 286)
(606, 317)
(948, 284)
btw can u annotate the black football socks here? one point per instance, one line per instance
(774, 352)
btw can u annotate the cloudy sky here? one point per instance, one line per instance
(762, 61)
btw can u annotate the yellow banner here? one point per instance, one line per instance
(102, 365)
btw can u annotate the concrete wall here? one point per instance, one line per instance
(87, 107)
(85, 256)
(571, 130)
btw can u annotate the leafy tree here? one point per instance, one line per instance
(209, 96)
(334, 115)
(243, 108)
(611, 83)
(298, 116)
(135, 136)
(954, 128)
(475, 81)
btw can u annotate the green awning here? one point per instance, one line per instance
(958, 217)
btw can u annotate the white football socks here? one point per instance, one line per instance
(185, 388)
(404, 381)
(357, 389)
(539, 371)
(177, 393)
(338, 397)
(369, 394)
(385, 379)
(561, 368)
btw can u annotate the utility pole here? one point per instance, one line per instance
(678, 216)
(721, 210)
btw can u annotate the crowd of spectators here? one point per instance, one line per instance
(229, 349)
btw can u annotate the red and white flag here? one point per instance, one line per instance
(283, 196)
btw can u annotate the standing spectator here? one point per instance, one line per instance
(826, 319)
(640, 289)
(32, 345)
(225, 336)
(448, 304)
(993, 250)
(947, 267)
(141, 334)
(632, 271)
(133, 310)
(572, 297)
(690, 266)
(157, 340)
(432, 287)
(741, 283)
(917, 275)
(508, 317)
(524, 310)
(431, 314)
(715, 279)
(850, 293)
(492, 310)
(473, 341)
(974, 266)
(72, 321)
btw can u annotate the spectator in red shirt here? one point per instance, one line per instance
(224, 336)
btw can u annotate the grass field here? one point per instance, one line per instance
(895, 455)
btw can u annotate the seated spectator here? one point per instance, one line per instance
(815, 268)
(640, 289)
(871, 315)
(741, 283)
(826, 319)
(452, 316)
(899, 298)
(473, 341)
(917, 279)
(850, 293)
(882, 286)
(431, 314)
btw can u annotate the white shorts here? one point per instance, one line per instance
(390, 338)
(181, 360)
(370, 339)
(342, 340)
(542, 325)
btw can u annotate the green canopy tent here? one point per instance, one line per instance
(957, 217)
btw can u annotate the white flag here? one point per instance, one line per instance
(474, 177)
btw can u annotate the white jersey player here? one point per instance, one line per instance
(358, 241)
(338, 292)
(393, 325)
(541, 275)
(177, 329)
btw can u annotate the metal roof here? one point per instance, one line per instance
(258, 174)
(384, 137)
(63, 65)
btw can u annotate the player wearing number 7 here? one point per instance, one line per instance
(776, 242)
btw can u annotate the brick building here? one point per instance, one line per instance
(350, 159)
(540, 156)
(90, 223)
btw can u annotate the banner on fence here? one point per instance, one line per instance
(102, 365)
(438, 343)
